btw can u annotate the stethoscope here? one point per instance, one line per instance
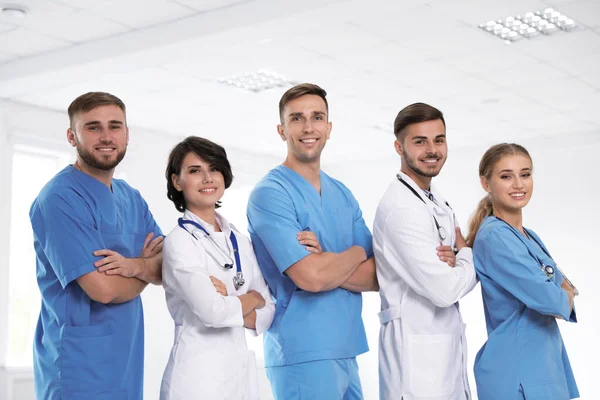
(547, 269)
(238, 279)
(440, 229)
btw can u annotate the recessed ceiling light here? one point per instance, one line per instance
(257, 81)
(13, 11)
(529, 25)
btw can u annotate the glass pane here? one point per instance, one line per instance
(29, 174)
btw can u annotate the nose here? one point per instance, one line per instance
(207, 177)
(307, 126)
(518, 182)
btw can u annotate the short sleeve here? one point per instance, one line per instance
(362, 234)
(272, 215)
(151, 225)
(64, 226)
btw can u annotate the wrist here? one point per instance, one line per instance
(140, 268)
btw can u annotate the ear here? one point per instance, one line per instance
(175, 181)
(281, 132)
(398, 147)
(485, 184)
(71, 137)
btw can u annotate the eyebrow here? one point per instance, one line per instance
(113, 122)
(442, 135)
(510, 170)
(299, 114)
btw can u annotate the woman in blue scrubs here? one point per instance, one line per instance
(523, 290)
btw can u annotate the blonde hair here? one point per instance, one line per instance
(486, 166)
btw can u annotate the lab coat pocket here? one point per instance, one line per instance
(434, 362)
(87, 356)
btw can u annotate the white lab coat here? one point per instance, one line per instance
(422, 344)
(210, 358)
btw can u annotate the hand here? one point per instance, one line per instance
(310, 241)
(115, 264)
(446, 254)
(260, 301)
(220, 286)
(460, 240)
(152, 248)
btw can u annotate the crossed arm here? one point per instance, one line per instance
(119, 279)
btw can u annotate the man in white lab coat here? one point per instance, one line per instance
(424, 267)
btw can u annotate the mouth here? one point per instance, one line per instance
(430, 160)
(105, 149)
(209, 191)
(309, 141)
(517, 195)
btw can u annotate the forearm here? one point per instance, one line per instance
(249, 303)
(150, 269)
(250, 320)
(363, 279)
(126, 289)
(337, 268)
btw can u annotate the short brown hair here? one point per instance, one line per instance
(299, 91)
(414, 114)
(209, 151)
(89, 101)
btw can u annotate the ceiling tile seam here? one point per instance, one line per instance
(230, 5)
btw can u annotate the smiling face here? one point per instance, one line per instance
(201, 183)
(305, 128)
(100, 136)
(423, 149)
(510, 183)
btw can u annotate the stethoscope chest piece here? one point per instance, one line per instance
(238, 280)
(548, 270)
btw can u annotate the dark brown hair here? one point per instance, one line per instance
(89, 101)
(486, 167)
(209, 151)
(414, 114)
(299, 91)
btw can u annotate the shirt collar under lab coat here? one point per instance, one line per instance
(439, 199)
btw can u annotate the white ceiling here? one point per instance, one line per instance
(163, 58)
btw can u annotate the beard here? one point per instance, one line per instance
(412, 164)
(101, 162)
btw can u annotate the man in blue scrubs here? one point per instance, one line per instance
(95, 255)
(317, 332)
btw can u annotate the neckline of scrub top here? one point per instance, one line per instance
(82, 175)
(314, 190)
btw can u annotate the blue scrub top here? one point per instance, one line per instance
(84, 349)
(307, 326)
(524, 356)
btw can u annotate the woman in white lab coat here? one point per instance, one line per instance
(214, 287)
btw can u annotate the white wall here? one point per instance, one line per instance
(563, 211)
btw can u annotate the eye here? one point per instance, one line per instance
(194, 170)
(505, 177)
(93, 128)
(526, 175)
(295, 118)
(214, 169)
(419, 141)
(115, 127)
(441, 140)
(319, 117)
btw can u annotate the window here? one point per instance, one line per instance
(32, 168)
